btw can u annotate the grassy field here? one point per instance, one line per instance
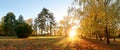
(54, 43)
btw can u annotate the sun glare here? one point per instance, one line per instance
(72, 34)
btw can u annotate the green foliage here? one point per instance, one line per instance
(20, 19)
(2, 27)
(9, 24)
(23, 30)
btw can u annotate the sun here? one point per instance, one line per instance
(72, 34)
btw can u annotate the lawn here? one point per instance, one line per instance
(54, 43)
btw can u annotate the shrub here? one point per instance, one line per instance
(23, 30)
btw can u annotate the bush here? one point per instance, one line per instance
(23, 30)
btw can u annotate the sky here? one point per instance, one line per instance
(31, 8)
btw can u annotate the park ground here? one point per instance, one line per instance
(55, 43)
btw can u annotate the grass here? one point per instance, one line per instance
(44, 37)
(117, 39)
(53, 43)
(8, 37)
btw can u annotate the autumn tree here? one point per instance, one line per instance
(29, 21)
(100, 16)
(66, 25)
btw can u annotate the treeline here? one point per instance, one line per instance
(10, 26)
(44, 24)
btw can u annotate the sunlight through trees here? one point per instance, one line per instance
(99, 18)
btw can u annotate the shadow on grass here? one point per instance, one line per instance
(103, 45)
(87, 44)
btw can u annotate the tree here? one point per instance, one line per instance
(10, 22)
(35, 26)
(20, 19)
(42, 18)
(29, 21)
(52, 22)
(60, 31)
(102, 13)
(66, 25)
(2, 26)
(23, 29)
(45, 22)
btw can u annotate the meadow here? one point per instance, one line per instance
(55, 43)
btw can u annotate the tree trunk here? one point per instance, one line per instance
(100, 38)
(50, 29)
(41, 31)
(107, 35)
(35, 32)
(114, 39)
(96, 36)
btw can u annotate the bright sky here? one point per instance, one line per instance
(31, 8)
